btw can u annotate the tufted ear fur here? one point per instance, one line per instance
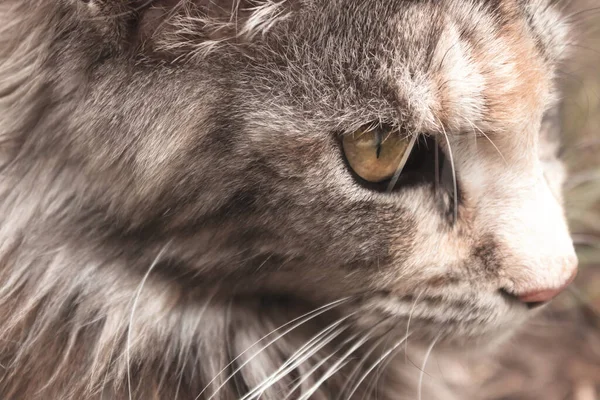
(191, 27)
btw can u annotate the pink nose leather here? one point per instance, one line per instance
(545, 295)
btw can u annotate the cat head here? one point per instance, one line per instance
(227, 136)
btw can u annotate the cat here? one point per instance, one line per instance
(220, 199)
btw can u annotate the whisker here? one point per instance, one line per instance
(410, 314)
(341, 363)
(488, 138)
(377, 363)
(583, 13)
(582, 178)
(436, 157)
(580, 46)
(296, 323)
(328, 375)
(454, 181)
(374, 384)
(363, 359)
(315, 340)
(299, 357)
(402, 163)
(319, 365)
(280, 374)
(583, 144)
(580, 297)
(422, 374)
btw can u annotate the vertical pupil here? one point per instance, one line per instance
(379, 142)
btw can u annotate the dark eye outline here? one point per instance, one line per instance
(424, 165)
(381, 133)
(402, 164)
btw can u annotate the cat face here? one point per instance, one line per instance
(217, 138)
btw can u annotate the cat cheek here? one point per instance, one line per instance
(434, 252)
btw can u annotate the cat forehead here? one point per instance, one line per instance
(455, 65)
(481, 69)
(447, 66)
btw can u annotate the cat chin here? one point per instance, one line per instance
(457, 343)
(477, 343)
(476, 328)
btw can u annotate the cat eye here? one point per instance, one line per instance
(377, 154)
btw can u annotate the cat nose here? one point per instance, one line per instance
(539, 258)
(538, 297)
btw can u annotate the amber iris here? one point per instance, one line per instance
(375, 154)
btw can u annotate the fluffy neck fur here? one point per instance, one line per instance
(77, 328)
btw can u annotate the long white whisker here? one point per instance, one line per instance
(133, 307)
(436, 158)
(338, 365)
(332, 371)
(299, 356)
(307, 346)
(296, 323)
(403, 161)
(410, 314)
(319, 365)
(454, 182)
(488, 138)
(364, 358)
(422, 374)
(373, 385)
(376, 363)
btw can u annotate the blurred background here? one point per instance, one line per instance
(580, 77)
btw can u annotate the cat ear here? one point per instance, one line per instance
(193, 27)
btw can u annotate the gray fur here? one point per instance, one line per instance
(172, 189)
